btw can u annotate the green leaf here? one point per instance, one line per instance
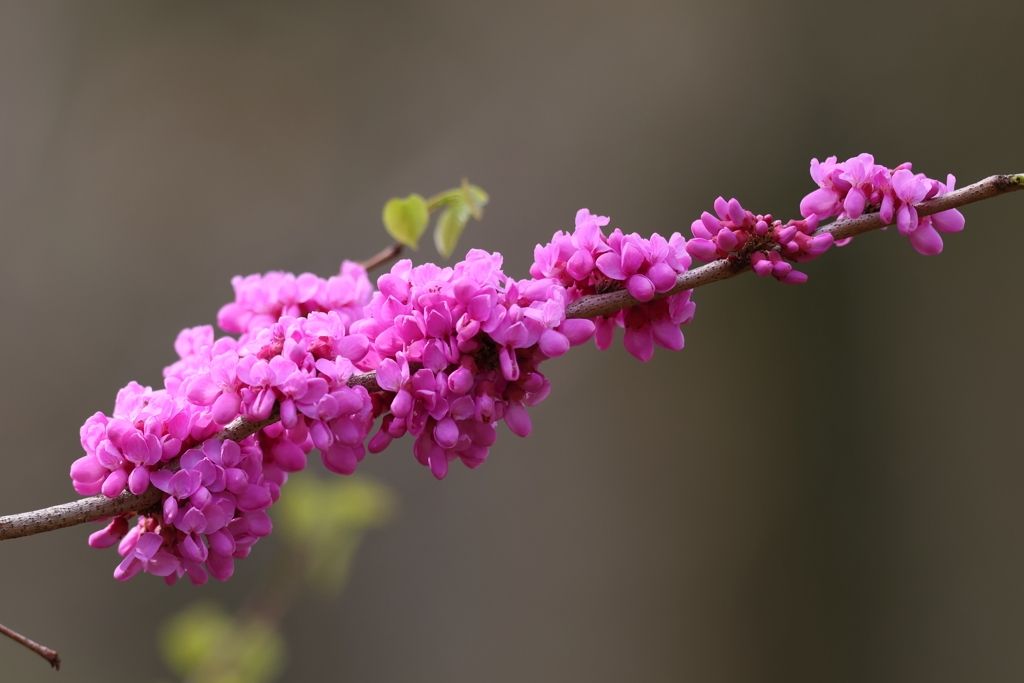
(443, 199)
(475, 198)
(406, 219)
(449, 227)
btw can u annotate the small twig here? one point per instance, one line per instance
(382, 257)
(100, 507)
(46, 653)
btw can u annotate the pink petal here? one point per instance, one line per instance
(704, 250)
(203, 390)
(288, 456)
(113, 485)
(138, 481)
(640, 343)
(632, 258)
(604, 332)
(552, 344)
(701, 232)
(193, 520)
(446, 433)
(259, 523)
(854, 203)
(610, 264)
(162, 564)
(518, 419)
(340, 459)
(736, 213)
(577, 331)
(824, 202)
(710, 224)
(438, 462)
(389, 375)
(88, 469)
(225, 408)
(580, 265)
(640, 287)
(727, 240)
(926, 240)
(794, 277)
(128, 568)
(148, 544)
(668, 335)
(885, 212)
(948, 221)
(662, 276)
(221, 567)
(509, 364)
(255, 497)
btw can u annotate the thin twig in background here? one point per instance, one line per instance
(46, 653)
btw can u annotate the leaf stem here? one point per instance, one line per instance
(383, 256)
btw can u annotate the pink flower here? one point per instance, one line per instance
(147, 556)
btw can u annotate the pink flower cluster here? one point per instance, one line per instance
(455, 351)
(216, 493)
(219, 491)
(587, 262)
(847, 189)
(459, 350)
(148, 428)
(261, 300)
(764, 240)
(213, 513)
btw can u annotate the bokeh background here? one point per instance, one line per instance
(823, 486)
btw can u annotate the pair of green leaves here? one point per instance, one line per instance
(407, 219)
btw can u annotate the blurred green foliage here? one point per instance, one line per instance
(325, 519)
(406, 219)
(207, 645)
(322, 522)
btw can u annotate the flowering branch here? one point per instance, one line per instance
(46, 653)
(723, 269)
(587, 307)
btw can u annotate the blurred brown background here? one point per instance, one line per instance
(824, 486)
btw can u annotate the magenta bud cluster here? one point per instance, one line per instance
(454, 350)
(848, 189)
(768, 243)
(587, 262)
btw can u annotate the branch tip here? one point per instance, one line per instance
(46, 653)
